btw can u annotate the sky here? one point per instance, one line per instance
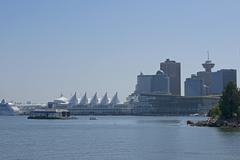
(66, 46)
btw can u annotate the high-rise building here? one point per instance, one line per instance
(213, 82)
(144, 83)
(195, 86)
(221, 79)
(158, 83)
(173, 71)
(208, 65)
(206, 75)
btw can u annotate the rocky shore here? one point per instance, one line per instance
(212, 122)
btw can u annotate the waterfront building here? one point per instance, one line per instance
(84, 100)
(208, 82)
(115, 100)
(173, 70)
(118, 109)
(105, 100)
(144, 83)
(94, 106)
(74, 100)
(195, 86)
(158, 104)
(158, 83)
(94, 100)
(206, 75)
(102, 108)
(221, 78)
(61, 100)
(59, 103)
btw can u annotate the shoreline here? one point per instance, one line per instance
(218, 123)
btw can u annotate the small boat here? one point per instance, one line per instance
(92, 118)
(49, 114)
(194, 115)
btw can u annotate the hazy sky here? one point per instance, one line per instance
(48, 47)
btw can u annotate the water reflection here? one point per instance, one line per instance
(160, 121)
(229, 130)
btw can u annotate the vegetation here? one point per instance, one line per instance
(226, 113)
(229, 104)
(215, 112)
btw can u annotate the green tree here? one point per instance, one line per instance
(230, 102)
(215, 112)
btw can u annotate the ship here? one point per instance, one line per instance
(49, 114)
(8, 109)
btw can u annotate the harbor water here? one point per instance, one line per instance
(115, 138)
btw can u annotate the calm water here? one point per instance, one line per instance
(115, 138)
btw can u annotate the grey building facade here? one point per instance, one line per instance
(221, 78)
(158, 83)
(208, 82)
(194, 86)
(144, 83)
(156, 104)
(173, 71)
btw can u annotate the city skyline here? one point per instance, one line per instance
(48, 48)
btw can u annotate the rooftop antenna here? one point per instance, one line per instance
(208, 54)
(208, 65)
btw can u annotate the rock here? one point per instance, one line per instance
(190, 123)
(211, 122)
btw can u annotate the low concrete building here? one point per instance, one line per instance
(118, 109)
(157, 104)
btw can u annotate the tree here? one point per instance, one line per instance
(215, 112)
(230, 102)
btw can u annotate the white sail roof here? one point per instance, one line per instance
(61, 99)
(94, 100)
(84, 100)
(74, 100)
(115, 100)
(105, 100)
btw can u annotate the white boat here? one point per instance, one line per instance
(194, 115)
(8, 109)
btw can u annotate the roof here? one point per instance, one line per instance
(61, 99)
